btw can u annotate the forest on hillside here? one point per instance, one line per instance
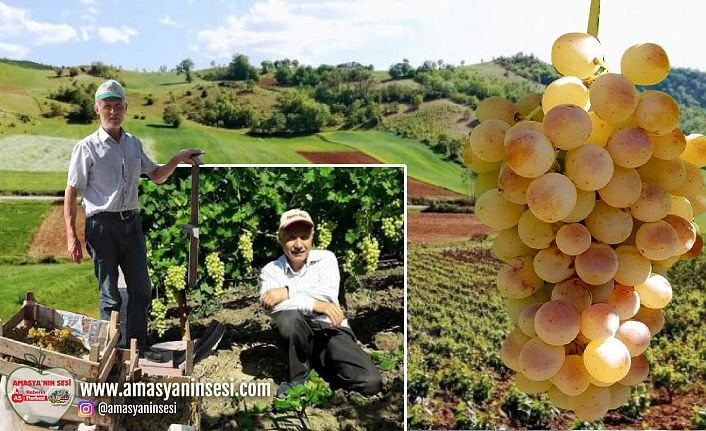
(303, 99)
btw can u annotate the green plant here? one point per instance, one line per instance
(388, 361)
(252, 199)
(418, 418)
(699, 420)
(578, 424)
(666, 377)
(467, 419)
(172, 116)
(299, 399)
(249, 420)
(637, 402)
(418, 385)
(529, 410)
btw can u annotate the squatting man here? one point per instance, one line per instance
(106, 167)
(300, 291)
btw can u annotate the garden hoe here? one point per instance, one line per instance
(204, 346)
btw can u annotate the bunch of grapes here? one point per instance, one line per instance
(392, 227)
(245, 246)
(324, 235)
(175, 281)
(371, 253)
(216, 270)
(349, 262)
(594, 189)
(55, 340)
(159, 313)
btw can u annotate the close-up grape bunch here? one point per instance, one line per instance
(594, 189)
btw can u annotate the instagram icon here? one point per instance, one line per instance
(85, 409)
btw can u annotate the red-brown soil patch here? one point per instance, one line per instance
(50, 238)
(676, 415)
(416, 188)
(5, 88)
(338, 158)
(426, 228)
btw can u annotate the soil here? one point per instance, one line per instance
(661, 414)
(248, 352)
(49, 241)
(338, 158)
(416, 188)
(427, 228)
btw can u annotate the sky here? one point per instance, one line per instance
(147, 34)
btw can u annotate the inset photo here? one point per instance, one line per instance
(232, 297)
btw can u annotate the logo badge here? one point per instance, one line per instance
(85, 409)
(40, 395)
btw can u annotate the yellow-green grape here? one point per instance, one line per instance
(392, 227)
(150, 271)
(159, 312)
(349, 261)
(245, 246)
(216, 270)
(388, 227)
(324, 235)
(175, 281)
(371, 253)
(396, 203)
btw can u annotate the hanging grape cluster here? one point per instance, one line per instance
(349, 261)
(324, 235)
(159, 313)
(371, 253)
(175, 281)
(245, 246)
(392, 227)
(593, 188)
(216, 270)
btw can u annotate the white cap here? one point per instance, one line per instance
(295, 216)
(110, 88)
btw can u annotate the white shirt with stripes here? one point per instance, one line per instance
(318, 280)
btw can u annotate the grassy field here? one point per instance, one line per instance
(33, 182)
(422, 163)
(26, 91)
(64, 286)
(19, 220)
(227, 146)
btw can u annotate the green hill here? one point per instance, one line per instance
(430, 106)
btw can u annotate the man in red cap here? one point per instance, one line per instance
(300, 291)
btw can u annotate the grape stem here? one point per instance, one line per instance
(536, 111)
(601, 63)
(593, 18)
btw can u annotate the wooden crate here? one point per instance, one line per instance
(94, 369)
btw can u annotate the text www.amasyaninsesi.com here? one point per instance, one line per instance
(168, 390)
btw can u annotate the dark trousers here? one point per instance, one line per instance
(332, 352)
(113, 242)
